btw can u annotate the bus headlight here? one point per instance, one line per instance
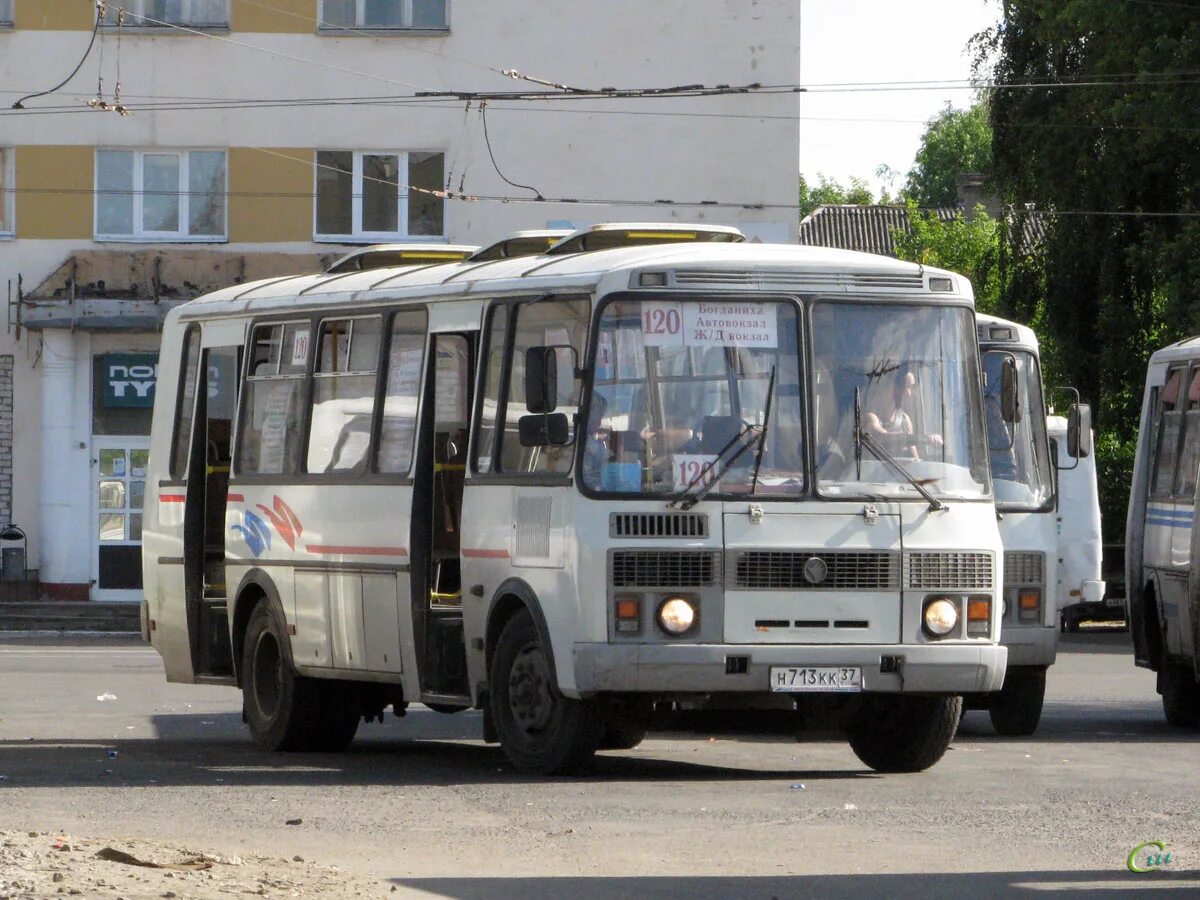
(1029, 605)
(677, 615)
(941, 616)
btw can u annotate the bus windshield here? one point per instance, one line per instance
(899, 381)
(1018, 450)
(696, 396)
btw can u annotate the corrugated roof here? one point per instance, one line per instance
(864, 228)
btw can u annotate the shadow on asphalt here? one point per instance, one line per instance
(424, 748)
(924, 886)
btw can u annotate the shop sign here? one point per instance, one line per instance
(129, 379)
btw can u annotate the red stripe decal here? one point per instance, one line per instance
(172, 498)
(235, 498)
(485, 554)
(333, 550)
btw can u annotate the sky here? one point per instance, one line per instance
(855, 41)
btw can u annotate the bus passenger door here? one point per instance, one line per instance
(437, 517)
(208, 485)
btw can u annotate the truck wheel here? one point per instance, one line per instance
(1180, 696)
(623, 734)
(541, 731)
(283, 710)
(1016, 709)
(904, 734)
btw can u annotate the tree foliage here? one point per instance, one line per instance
(970, 247)
(955, 141)
(829, 192)
(1112, 163)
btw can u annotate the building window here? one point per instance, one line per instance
(164, 13)
(160, 195)
(6, 12)
(388, 15)
(7, 192)
(368, 196)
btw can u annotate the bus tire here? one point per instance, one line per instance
(283, 710)
(1180, 696)
(1017, 708)
(899, 733)
(541, 731)
(623, 734)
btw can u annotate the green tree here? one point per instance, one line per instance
(970, 247)
(1098, 131)
(829, 192)
(955, 141)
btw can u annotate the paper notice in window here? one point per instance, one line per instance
(662, 324)
(693, 470)
(723, 324)
(299, 347)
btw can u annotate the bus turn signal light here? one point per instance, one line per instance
(979, 616)
(1029, 602)
(628, 615)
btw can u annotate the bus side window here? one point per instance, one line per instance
(1166, 448)
(1189, 456)
(405, 361)
(343, 397)
(269, 429)
(547, 323)
(185, 408)
(496, 339)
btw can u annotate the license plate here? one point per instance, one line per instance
(816, 679)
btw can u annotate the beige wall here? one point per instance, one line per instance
(277, 16)
(54, 192)
(55, 15)
(286, 171)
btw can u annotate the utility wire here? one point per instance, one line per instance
(75, 71)
(487, 139)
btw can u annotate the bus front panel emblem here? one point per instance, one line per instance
(815, 570)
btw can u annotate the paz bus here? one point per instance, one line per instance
(1028, 495)
(569, 489)
(1161, 573)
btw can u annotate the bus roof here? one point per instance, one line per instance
(1188, 348)
(728, 267)
(994, 330)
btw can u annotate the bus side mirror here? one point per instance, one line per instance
(541, 381)
(1079, 430)
(1010, 396)
(544, 430)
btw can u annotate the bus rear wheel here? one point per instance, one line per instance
(541, 731)
(1017, 708)
(899, 733)
(285, 711)
(1180, 696)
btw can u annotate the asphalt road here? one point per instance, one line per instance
(422, 805)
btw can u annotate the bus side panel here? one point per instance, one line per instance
(1138, 558)
(162, 525)
(486, 564)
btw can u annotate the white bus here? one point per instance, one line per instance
(1161, 575)
(564, 489)
(1027, 496)
(1082, 591)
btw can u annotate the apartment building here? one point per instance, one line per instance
(206, 142)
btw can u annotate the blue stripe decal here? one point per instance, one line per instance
(1165, 523)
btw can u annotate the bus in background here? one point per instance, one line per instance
(1023, 478)
(1161, 574)
(566, 489)
(1082, 591)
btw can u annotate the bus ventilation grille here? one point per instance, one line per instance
(658, 525)
(790, 570)
(664, 568)
(934, 571)
(1024, 568)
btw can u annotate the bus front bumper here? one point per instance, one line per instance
(1030, 645)
(704, 668)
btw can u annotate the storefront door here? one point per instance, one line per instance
(120, 485)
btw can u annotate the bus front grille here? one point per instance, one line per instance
(944, 570)
(663, 568)
(870, 570)
(1024, 567)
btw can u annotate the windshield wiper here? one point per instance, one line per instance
(762, 437)
(863, 439)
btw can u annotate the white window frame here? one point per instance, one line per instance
(357, 235)
(140, 236)
(137, 8)
(325, 27)
(8, 209)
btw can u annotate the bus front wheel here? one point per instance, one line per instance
(899, 733)
(541, 731)
(283, 710)
(1017, 708)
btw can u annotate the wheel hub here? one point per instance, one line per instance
(529, 690)
(268, 674)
